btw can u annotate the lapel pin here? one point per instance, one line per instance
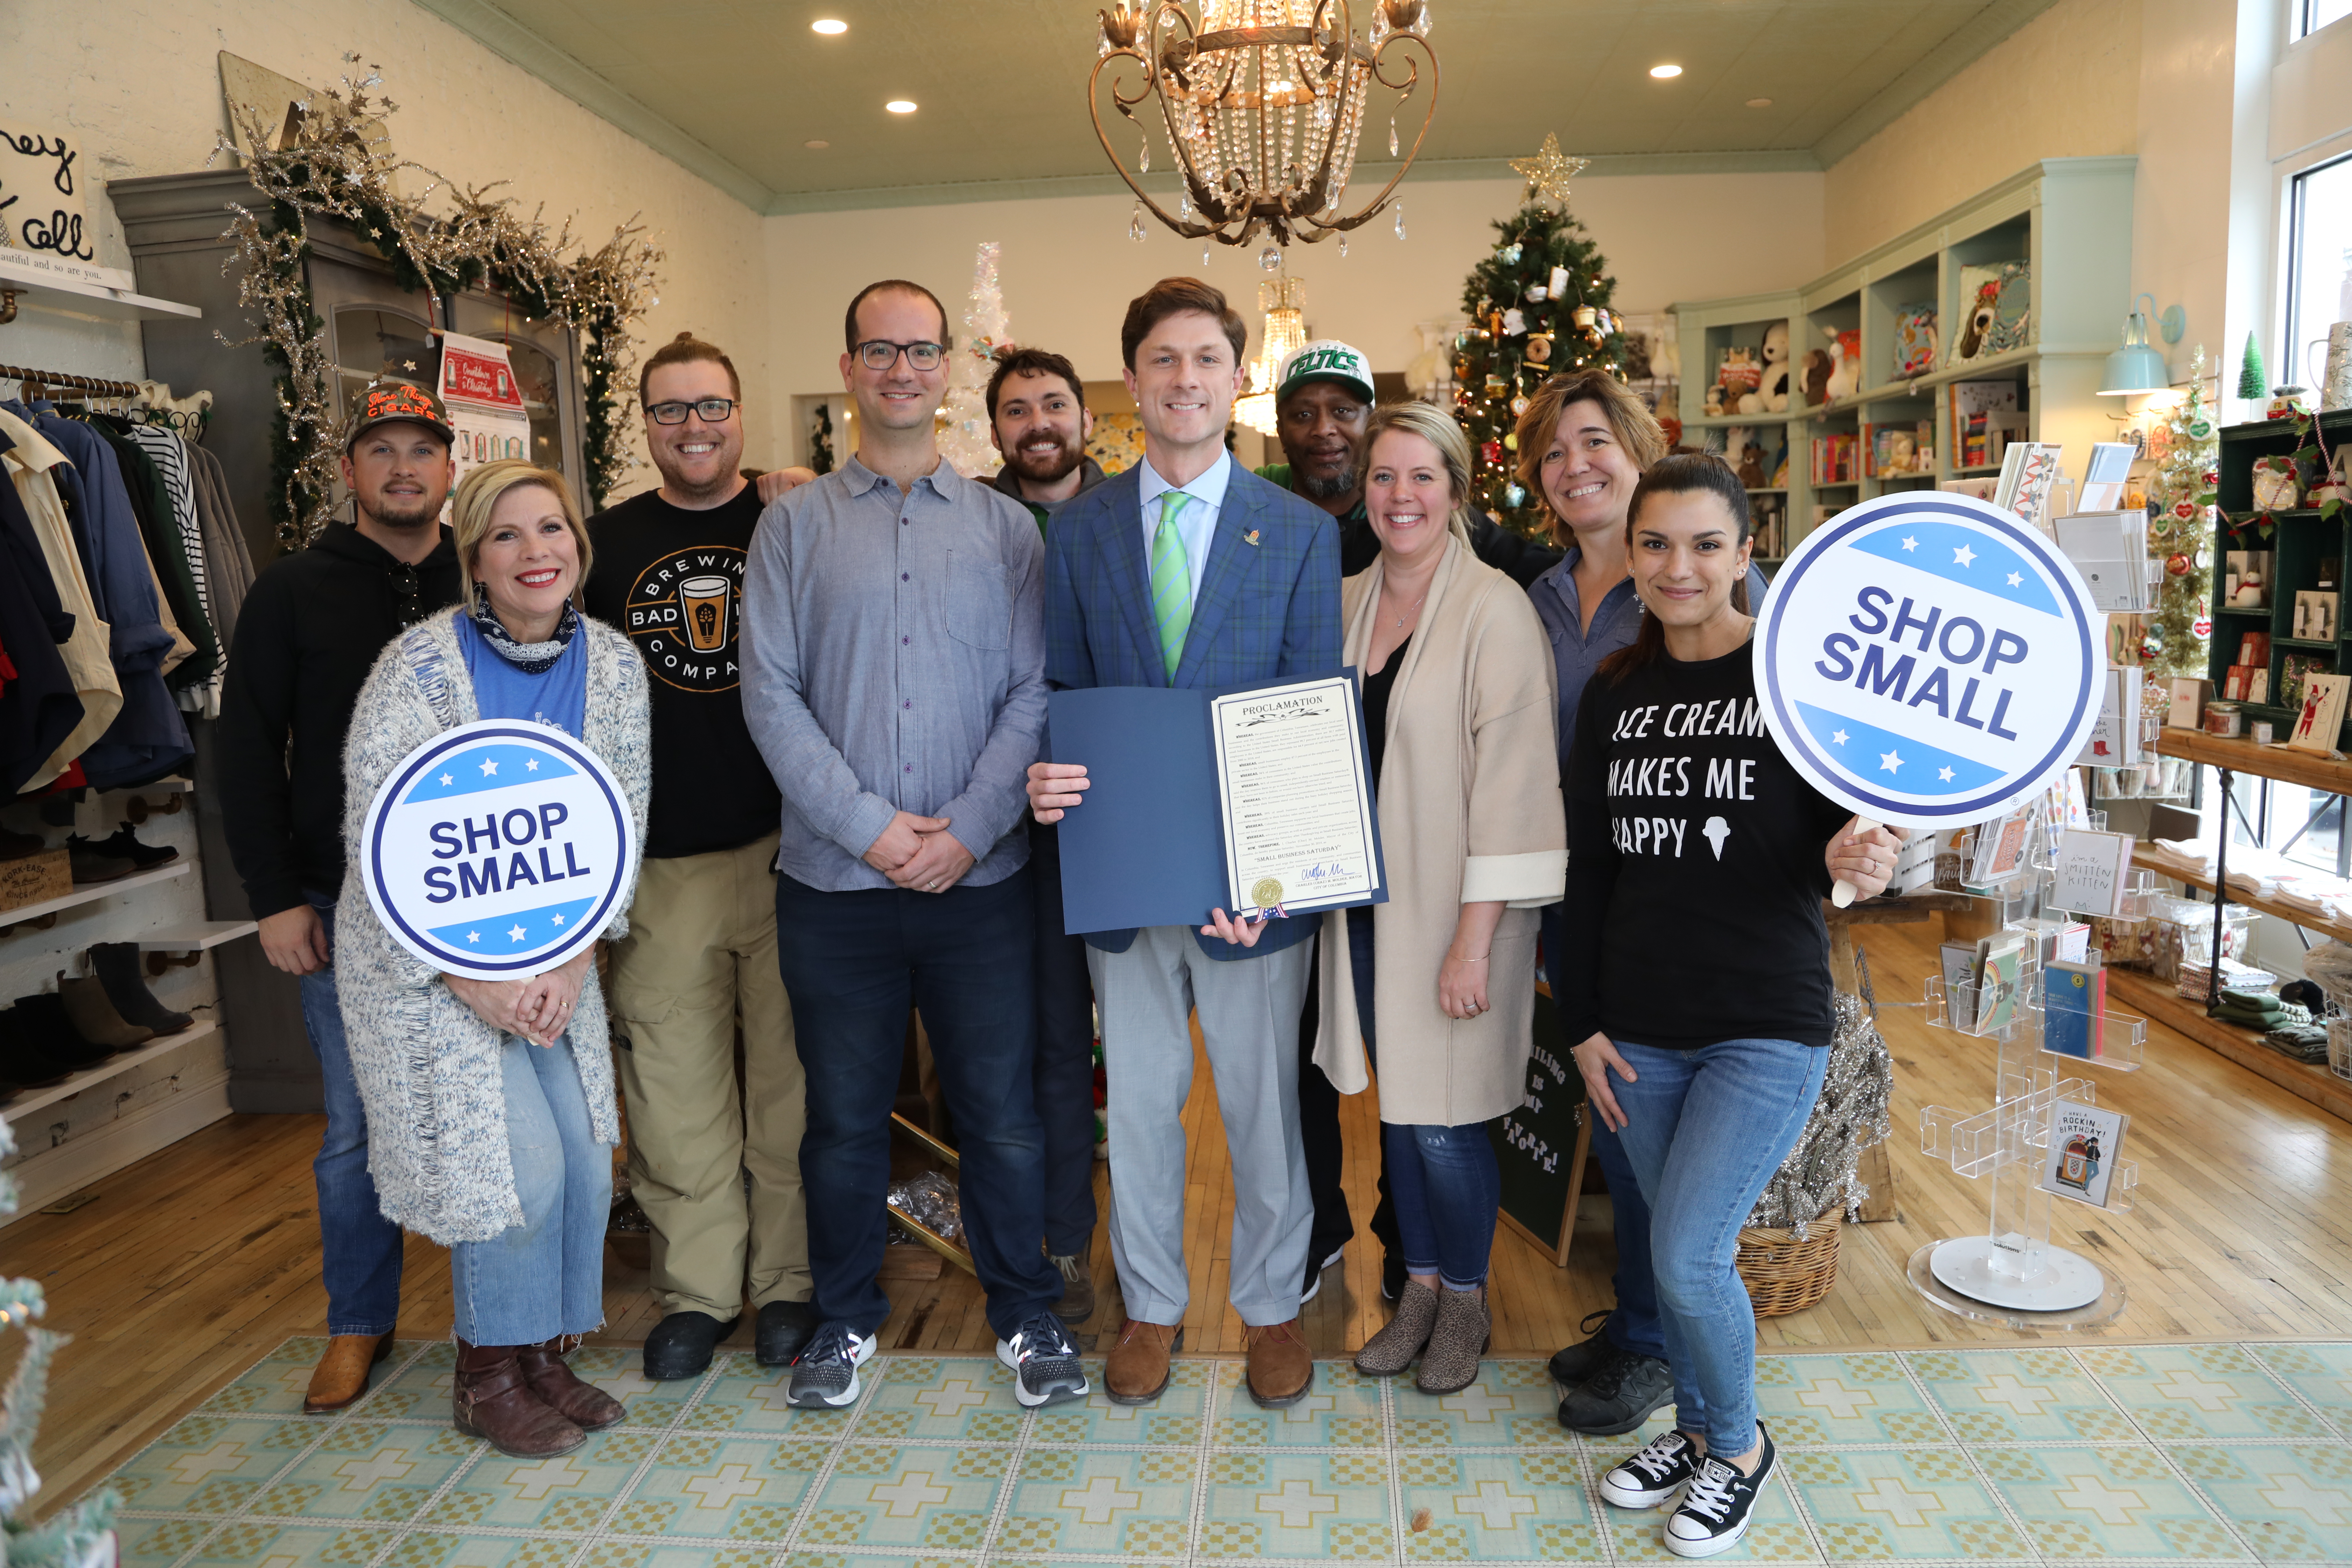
(1251, 537)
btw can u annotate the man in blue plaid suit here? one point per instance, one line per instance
(1188, 571)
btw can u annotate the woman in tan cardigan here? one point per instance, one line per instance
(1459, 712)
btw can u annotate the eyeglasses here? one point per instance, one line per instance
(880, 353)
(714, 411)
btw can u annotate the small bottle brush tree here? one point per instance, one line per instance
(2186, 446)
(1538, 305)
(2253, 385)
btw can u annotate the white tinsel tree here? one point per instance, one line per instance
(964, 417)
(81, 1536)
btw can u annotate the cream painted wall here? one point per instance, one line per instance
(2180, 197)
(2067, 84)
(135, 83)
(1068, 267)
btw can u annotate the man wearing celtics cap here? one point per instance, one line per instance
(1323, 398)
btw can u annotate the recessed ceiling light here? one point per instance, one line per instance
(1760, 104)
(1663, 72)
(828, 25)
(900, 106)
(817, 146)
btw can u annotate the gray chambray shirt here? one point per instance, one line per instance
(894, 659)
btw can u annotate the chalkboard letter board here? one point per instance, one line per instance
(1541, 1145)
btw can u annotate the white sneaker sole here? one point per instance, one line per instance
(1020, 1390)
(1712, 1544)
(861, 1351)
(1632, 1497)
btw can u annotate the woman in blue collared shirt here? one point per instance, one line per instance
(1583, 444)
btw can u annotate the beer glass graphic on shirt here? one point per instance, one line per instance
(702, 605)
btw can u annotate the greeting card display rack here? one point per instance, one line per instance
(2012, 1274)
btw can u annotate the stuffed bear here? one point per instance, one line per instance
(1817, 377)
(1771, 394)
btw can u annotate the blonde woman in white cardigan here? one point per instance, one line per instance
(1436, 988)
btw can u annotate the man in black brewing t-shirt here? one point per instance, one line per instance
(702, 949)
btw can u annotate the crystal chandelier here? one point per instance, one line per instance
(1282, 299)
(1262, 103)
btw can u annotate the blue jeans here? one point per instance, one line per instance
(1444, 1181)
(1704, 1131)
(546, 1276)
(854, 963)
(1633, 1322)
(359, 1248)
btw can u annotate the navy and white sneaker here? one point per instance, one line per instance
(1718, 1505)
(1656, 1472)
(1045, 1363)
(825, 1375)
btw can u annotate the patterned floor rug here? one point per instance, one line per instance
(2203, 1453)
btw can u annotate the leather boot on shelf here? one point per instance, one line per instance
(583, 1404)
(123, 844)
(116, 964)
(491, 1399)
(341, 1374)
(91, 864)
(42, 1020)
(94, 1017)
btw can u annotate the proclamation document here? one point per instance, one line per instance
(1296, 791)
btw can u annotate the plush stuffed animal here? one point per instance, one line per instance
(1771, 394)
(1752, 466)
(1845, 363)
(1817, 377)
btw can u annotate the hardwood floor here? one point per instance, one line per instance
(193, 1262)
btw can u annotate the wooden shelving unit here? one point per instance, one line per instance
(2300, 539)
(33, 1099)
(26, 914)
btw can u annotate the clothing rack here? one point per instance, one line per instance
(38, 381)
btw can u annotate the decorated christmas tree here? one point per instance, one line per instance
(1538, 305)
(81, 1536)
(2185, 449)
(964, 417)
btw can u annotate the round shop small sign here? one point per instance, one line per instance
(497, 850)
(1928, 660)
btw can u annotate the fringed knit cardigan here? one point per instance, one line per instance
(428, 1066)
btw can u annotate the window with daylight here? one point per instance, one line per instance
(2313, 15)
(2319, 261)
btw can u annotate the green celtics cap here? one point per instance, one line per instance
(1324, 358)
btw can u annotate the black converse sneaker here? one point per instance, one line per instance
(1653, 1474)
(1045, 1363)
(1718, 1504)
(825, 1375)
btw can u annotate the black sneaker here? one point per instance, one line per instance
(1718, 1504)
(825, 1376)
(1627, 1391)
(1314, 1272)
(1653, 1474)
(1045, 1363)
(1571, 1364)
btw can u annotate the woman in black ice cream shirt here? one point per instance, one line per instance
(1695, 975)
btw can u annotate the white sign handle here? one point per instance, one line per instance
(1842, 894)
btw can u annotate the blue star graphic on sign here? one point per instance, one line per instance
(1839, 737)
(489, 767)
(1889, 761)
(2016, 579)
(558, 918)
(1964, 556)
(473, 936)
(518, 933)
(447, 781)
(1909, 543)
(531, 766)
(1944, 774)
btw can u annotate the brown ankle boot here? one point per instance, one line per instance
(491, 1399)
(583, 1404)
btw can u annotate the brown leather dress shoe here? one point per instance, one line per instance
(491, 1399)
(341, 1374)
(583, 1404)
(1136, 1371)
(1280, 1369)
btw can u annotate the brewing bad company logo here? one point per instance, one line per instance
(683, 614)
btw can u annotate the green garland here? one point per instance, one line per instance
(328, 167)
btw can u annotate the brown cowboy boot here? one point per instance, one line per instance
(490, 1398)
(341, 1374)
(583, 1404)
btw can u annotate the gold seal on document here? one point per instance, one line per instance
(1267, 891)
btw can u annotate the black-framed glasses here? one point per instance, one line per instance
(881, 354)
(714, 411)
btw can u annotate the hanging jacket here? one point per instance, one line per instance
(167, 556)
(29, 457)
(121, 586)
(230, 562)
(170, 456)
(38, 707)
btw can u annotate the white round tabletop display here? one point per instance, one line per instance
(495, 850)
(1928, 660)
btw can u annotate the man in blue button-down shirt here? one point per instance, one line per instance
(894, 679)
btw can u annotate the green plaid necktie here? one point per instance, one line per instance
(1172, 582)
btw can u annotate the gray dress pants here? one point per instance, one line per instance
(1249, 1022)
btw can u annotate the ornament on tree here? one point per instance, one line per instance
(1519, 405)
(1514, 322)
(964, 417)
(1491, 453)
(1510, 255)
(2181, 508)
(2179, 564)
(1549, 173)
(1538, 348)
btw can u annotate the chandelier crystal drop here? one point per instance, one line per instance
(1135, 224)
(1284, 300)
(1400, 210)
(1262, 103)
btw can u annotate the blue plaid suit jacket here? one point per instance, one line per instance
(1268, 607)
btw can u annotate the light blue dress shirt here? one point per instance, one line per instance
(1197, 523)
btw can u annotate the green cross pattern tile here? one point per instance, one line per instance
(390, 1475)
(2321, 1373)
(1843, 1399)
(1486, 1415)
(707, 1485)
(252, 1543)
(1907, 1501)
(201, 1450)
(1340, 1409)
(1494, 1510)
(569, 1492)
(964, 1399)
(1298, 1512)
(2290, 1499)
(2117, 1501)
(1091, 1500)
(1777, 1535)
(921, 1498)
(741, 1396)
(2016, 1396)
(1174, 1417)
(2190, 1393)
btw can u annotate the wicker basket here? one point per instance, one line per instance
(1784, 1275)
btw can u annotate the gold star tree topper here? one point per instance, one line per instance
(1549, 171)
